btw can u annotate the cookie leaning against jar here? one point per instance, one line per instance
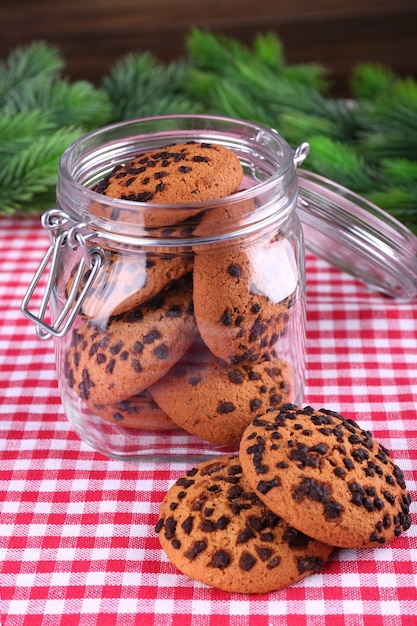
(189, 172)
(215, 529)
(326, 476)
(105, 366)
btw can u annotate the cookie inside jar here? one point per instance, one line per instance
(195, 324)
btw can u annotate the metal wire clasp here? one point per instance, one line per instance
(91, 259)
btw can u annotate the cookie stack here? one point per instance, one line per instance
(304, 482)
(183, 336)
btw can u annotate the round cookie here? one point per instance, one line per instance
(137, 348)
(189, 172)
(248, 310)
(326, 475)
(216, 401)
(139, 411)
(127, 280)
(215, 529)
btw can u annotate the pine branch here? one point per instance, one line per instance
(26, 67)
(341, 163)
(268, 49)
(19, 130)
(28, 178)
(137, 86)
(64, 103)
(369, 146)
(369, 81)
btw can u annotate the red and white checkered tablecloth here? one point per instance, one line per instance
(77, 540)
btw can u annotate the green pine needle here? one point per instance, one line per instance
(312, 75)
(401, 171)
(268, 49)
(65, 103)
(368, 144)
(137, 86)
(31, 174)
(297, 127)
(339, 162)
(19, 130)
(26, 67)
(369, 81)
(400, 202)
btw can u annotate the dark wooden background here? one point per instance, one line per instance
(93, 34)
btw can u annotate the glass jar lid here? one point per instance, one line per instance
(356, 236)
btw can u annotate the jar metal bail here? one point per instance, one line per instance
(91, 259)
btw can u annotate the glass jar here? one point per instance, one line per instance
(175, 325)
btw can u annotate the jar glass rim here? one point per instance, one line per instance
(235, 133)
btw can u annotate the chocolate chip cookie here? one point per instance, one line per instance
(140, 412)
(248, 311)
(126, 280)
(215, 529)
(136, 348)
(216, 401)
(326, 475)
(189, 172)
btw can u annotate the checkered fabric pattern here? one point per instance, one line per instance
(77, 540)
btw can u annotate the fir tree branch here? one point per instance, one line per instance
(65, 103)
(30, 175)
(137, 86)
(26, 67)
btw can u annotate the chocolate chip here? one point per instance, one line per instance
(264, 486)
(264, 553)
(245, 535)
(235, 376)
(161, 352)
(185, 482)
(273, 563)
(301, 453)
(360, 455)
(348, 463)
(226, 318)
(137, 347)
(152, 336)
(247, 561)
(258, 329)
(159, 525)
(207, 526)
(226, 407)
(308, 487)
(389, 497)
(320, 448)
(221, 559)
(208, 511)
(234, 270)
(196, 549)
(255, 404)
(222, 522)
(309, 564)
(295, 538)
(170, 527)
